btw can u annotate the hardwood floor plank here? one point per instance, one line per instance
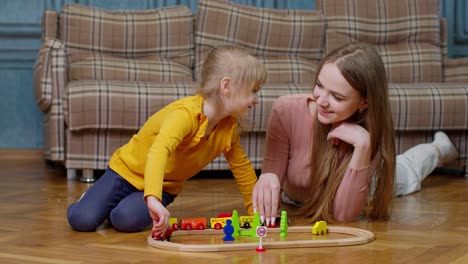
(24, 258)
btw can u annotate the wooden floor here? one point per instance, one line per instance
(430, 226)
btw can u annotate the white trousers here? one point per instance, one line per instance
(413, 166)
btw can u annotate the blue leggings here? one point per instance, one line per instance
(114, 198)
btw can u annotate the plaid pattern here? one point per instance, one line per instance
(99, 105)
(49, 81)
(405, 32)
(102, 114)
(93, 149)
(100, 66)
(49, 25)
(127, 105)
(42, 75)
(287, 70)
(118, 105)
(269, 34)
(429, 106)
(165, 32)
(456, 70)
(404, 140)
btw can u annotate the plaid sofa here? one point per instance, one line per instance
(100, 74)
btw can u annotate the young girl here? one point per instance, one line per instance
(326, 152)
(146, 174)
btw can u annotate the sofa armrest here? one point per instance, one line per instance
(49, 25)
(50, 79)
(456, 70)
(49, 74)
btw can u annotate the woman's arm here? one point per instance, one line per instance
(266, 193)
(351, 195)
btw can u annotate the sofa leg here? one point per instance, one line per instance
(71, 174)
(87, 175)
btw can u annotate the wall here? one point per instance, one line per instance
(456, 13)
(20, 34)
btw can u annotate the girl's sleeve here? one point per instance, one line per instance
(351, 195)
(277, 142)
(174, 128)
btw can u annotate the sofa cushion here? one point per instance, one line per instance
(100, 66)
(127, 105)
(456, 70)
(164, 32)
(405, 32)
(120, 105)
(286, 40)
(429, 106)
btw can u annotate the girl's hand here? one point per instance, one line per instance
(358, 137)
(350, 133)
(265, 197)
(159, 214)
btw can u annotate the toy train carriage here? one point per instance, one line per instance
(246, 221)
(189, 223)
(192, 223)
(218, 222)
(174, 223)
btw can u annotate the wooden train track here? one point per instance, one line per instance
(358, 237)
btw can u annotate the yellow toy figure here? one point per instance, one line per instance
(319, 228)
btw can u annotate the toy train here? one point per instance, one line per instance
(192, 223)
(214, 223)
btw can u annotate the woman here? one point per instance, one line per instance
(326, 152)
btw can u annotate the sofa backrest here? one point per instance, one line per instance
(289, 42)
(405, 32)
(146, 45)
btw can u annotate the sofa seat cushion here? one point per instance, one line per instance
(101, 66)
(429, 106)
(265, 33)
(116, 104)
(127, 105)
(406, 33)
(165, 32)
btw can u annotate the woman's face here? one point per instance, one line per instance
(336, 99)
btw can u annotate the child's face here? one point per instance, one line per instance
(336, 99)
(243, 99)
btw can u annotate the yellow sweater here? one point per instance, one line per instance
(171, 148)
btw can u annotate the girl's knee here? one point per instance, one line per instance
(129, 222)
(81, 220)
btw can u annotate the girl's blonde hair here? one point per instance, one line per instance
(234, 62)
(362, 67)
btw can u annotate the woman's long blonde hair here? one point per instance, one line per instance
(362, 67)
